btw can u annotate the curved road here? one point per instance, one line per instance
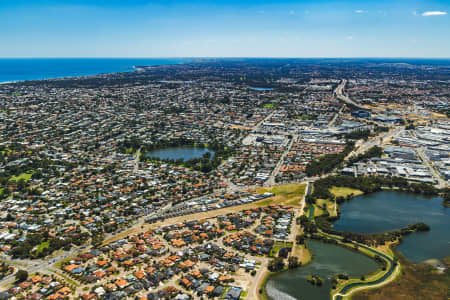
(386, 278)
(393, 268)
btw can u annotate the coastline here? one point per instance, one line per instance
(38, 69)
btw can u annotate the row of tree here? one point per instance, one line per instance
(327, 163)
(367, 184)
(375, 151)
(47, 244)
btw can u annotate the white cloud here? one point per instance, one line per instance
(434, 13)
(360, 11)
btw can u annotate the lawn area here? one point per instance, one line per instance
(302, 252)
(266, 202)
(328, 204)
(318, 211)
(244, 294)
(270, 105)
(344, 191)
(6, 151)
(1, 191)
(417, 281)
(277, 246)
(24, 176)
(41, 247)
(286, 194)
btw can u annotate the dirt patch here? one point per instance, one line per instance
(285, 194)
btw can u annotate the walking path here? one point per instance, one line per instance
(387, 277)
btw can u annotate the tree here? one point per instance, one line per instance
(276, 265)
(21, 275)
(293, 262)
(300, 238)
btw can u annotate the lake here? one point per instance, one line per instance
(389, 210)
(328, 261)
(260, 89)
(185, 153)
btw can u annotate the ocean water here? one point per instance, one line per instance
(18, 69)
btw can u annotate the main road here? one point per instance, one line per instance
(429, 165)
(378, 140)
(339, 92)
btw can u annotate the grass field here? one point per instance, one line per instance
(277, 246)
(41, 247)
(318, 211)
(270, 105)
(285, 194)
(24, 176)
(6, 151)
(417, 281)
(344, 191)
(302, 252)
(328, 204)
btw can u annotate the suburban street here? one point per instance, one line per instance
(271, 180)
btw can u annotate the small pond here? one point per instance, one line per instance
(260, 89)
(185, 153)
(328, 261)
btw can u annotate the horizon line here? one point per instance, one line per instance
(221, 57)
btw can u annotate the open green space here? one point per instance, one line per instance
(6, 151)
(318, 211)
(286, 190)
(41, 247)
(270, 105)
(326, 205)
(24, 176)
(277, 246)
(285, 194)
(344, 191)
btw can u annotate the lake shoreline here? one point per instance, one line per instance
(393, 247)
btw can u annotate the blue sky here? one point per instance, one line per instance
(143, 28)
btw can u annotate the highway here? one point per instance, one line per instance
(339, 92)
(333, 120)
